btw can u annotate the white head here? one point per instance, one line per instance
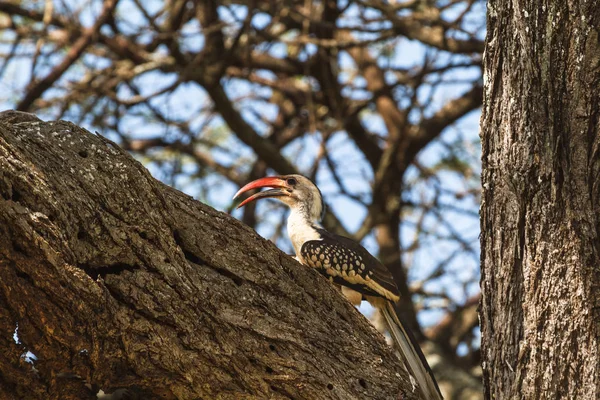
(296, 191)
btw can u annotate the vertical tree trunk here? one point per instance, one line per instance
(540, 309)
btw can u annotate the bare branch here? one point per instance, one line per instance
(38, 88)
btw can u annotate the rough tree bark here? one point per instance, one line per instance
(540, 216)
(117, 278)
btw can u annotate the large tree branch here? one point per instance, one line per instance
(116, 278)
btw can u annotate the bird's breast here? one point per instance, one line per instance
(301, 231)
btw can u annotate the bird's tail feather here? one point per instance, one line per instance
(407, 345)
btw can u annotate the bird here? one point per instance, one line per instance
(344, 262)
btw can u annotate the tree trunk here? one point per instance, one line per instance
(540, 215)
(111, 276)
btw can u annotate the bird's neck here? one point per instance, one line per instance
(301, 228)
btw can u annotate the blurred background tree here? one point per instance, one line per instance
(377, 101)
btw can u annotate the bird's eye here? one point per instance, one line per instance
(291, 181)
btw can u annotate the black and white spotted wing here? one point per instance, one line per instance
(349, 264)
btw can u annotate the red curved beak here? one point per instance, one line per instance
(275, 182)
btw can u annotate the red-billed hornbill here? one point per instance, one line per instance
(344, 262)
